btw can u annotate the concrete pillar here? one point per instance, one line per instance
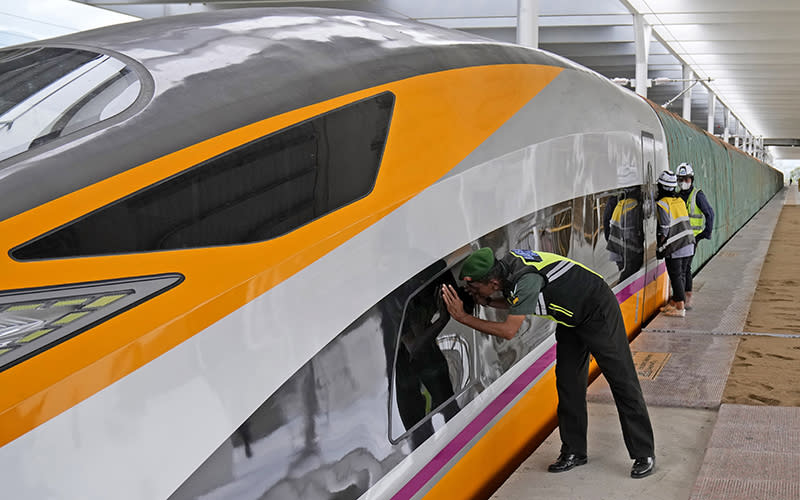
(641, 36)
(688, 74)
(738, 129)
(712, 111)
(528, 23)
(726, 131)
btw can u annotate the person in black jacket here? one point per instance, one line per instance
(589, 322)
(675, 241)
(701, 216)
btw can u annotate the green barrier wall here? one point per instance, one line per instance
(736, 184)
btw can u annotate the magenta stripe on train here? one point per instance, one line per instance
(495, 407)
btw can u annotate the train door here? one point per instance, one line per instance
(649, 223)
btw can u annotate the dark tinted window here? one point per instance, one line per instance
(549, 230)
(258, 191)
(433, 358)
(47, 93)
(620, 252)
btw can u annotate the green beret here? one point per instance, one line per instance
(478, 265)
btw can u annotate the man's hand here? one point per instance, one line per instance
(453, 302)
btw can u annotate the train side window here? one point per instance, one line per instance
(607, 262)
(258, 191)
(50, 92)
(433, 358)
(556, 233)
(585, 208)
(549, 231)
(630, 217)
(620, 215)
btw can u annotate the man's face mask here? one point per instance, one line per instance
(685, 186)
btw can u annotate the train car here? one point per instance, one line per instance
(223, 235)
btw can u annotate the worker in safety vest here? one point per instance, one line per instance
(675, 240)
(588, 320)
(701, 216)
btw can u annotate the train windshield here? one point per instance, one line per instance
(48, 92)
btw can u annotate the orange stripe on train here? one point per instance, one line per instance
(438, 120)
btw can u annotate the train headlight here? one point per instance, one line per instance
(34, 320)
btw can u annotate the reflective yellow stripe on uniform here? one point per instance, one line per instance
(552, 267)
(679, 233)
(696, 216)
(562, 310)
(551, 258)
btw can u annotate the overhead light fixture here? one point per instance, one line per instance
(694, 81)
(651, 82)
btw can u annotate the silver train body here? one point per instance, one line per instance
(277, 361)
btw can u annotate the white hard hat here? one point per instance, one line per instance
(685, 170)
(668, 179)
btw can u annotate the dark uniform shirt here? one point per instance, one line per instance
(549, 285)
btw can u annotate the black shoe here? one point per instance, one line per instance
(643, 467)
(567, 461)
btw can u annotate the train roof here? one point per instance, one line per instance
(204, 74)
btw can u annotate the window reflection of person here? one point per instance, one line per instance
(622, 227)
(420, 365)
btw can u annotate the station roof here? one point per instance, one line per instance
(747, 49)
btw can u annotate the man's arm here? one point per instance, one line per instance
(708, 212)
(506, 330)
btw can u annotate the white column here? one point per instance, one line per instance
(528, 23)
(712, 111)
(726, 131)
(739, 137)
(641, 36)
(688, 74)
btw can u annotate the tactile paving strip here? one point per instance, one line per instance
(693, 377)
(792, 195)
(740, 489)
(753, 453)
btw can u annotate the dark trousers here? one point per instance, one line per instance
(687, 275)
(603, 335)
(677, 269)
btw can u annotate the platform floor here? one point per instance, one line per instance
(705, 449)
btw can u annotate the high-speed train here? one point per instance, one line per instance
(223, 237)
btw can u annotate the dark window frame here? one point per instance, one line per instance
(393, 380)
(215, 162)
(146, 92)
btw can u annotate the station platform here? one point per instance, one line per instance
(721, 387)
